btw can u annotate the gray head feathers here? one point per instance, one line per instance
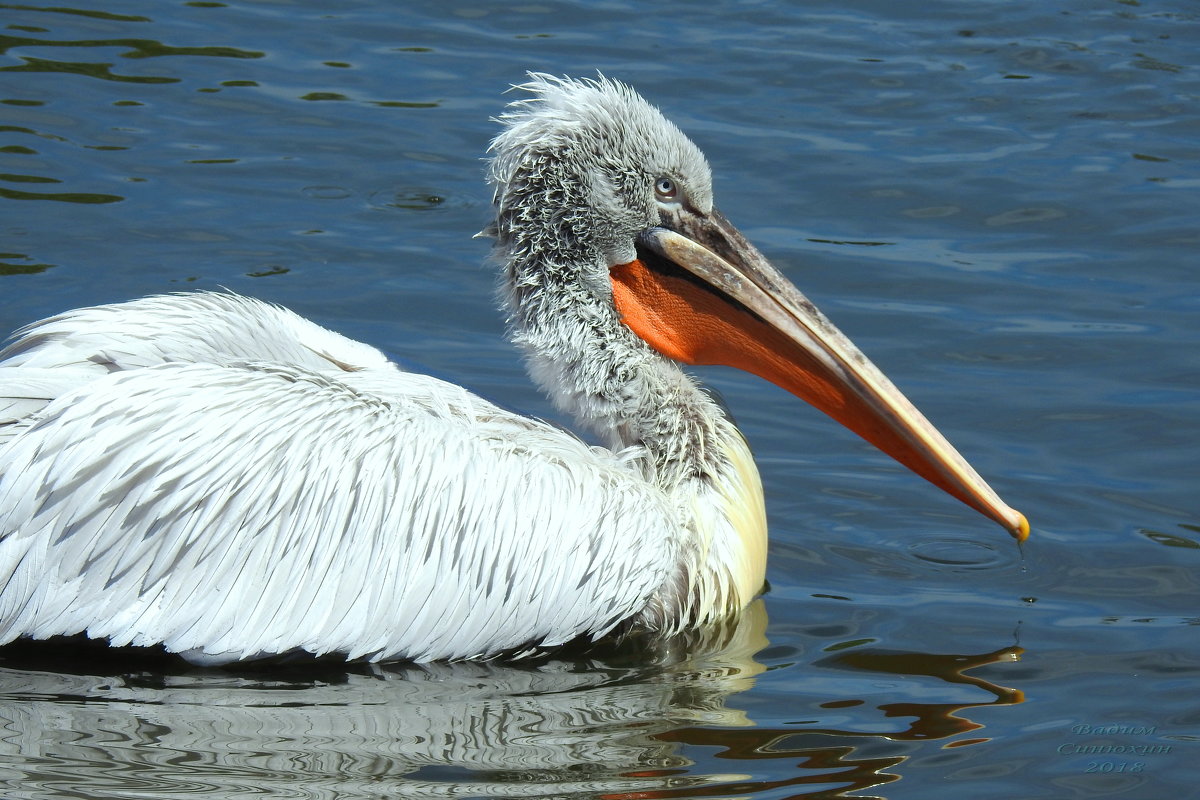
(575, 168)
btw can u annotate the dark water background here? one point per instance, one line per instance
(997, 200)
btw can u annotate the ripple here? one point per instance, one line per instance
(101, 71)
(416, 198)
(1020, 216)
(325, 192)
(1170, 539)
(957, 554)
(25, 265)
(932, 212)
(1056, 326)
(319, 96)
(86, 198)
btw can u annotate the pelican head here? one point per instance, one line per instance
(617, 264)
(589, 165)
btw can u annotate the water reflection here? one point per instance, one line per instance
(23, 267)
(132, 48)
(845, 759)
(618, 726)
(933, 720)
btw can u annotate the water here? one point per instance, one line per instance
(997, 201)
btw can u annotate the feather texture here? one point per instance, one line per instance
(235, 509)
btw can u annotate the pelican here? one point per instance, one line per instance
(223, 478)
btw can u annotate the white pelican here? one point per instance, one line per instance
(221, 477)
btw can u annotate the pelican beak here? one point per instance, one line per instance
(700, 293)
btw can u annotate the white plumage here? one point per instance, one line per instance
(224, 478)
(243, 505)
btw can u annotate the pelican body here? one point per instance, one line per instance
(218, 476)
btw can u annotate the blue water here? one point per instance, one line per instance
(997, 201)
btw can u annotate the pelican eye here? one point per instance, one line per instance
(666, 189)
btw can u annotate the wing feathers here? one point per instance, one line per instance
(231, 510)
(199, 327)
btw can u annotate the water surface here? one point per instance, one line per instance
(997, 201)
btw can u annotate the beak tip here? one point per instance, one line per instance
(1020, 530)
